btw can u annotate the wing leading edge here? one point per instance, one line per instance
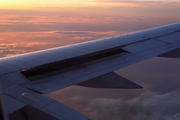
(25, 77)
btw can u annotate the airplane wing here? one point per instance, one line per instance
(26, 77)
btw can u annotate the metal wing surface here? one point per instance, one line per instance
(25, 77)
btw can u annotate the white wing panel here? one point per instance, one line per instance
(5, 83)
(54, 52)
(21, 59)
(71, 52)
(171, 38)
(107, 45)
(109, 41)
(6, 68)
(61, 55)
(44, 57)
(81, 50)
(117, 39)
(124, 39)
(88, 47)
(144, 46)
(97, 47)
(14, 64)
(16, 77)
(83, 47)
(39, 58)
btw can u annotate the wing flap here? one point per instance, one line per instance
(15, 77)
(171, 54)
(110, 80)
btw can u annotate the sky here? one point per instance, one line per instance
(27, 26)
(26, 4)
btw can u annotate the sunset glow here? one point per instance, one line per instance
(25, 4)
(34, 4)
(22, 31)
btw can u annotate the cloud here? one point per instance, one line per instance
(74, 32)
(90, 19)
(154, 106)
(149, 105)
(13, 43)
